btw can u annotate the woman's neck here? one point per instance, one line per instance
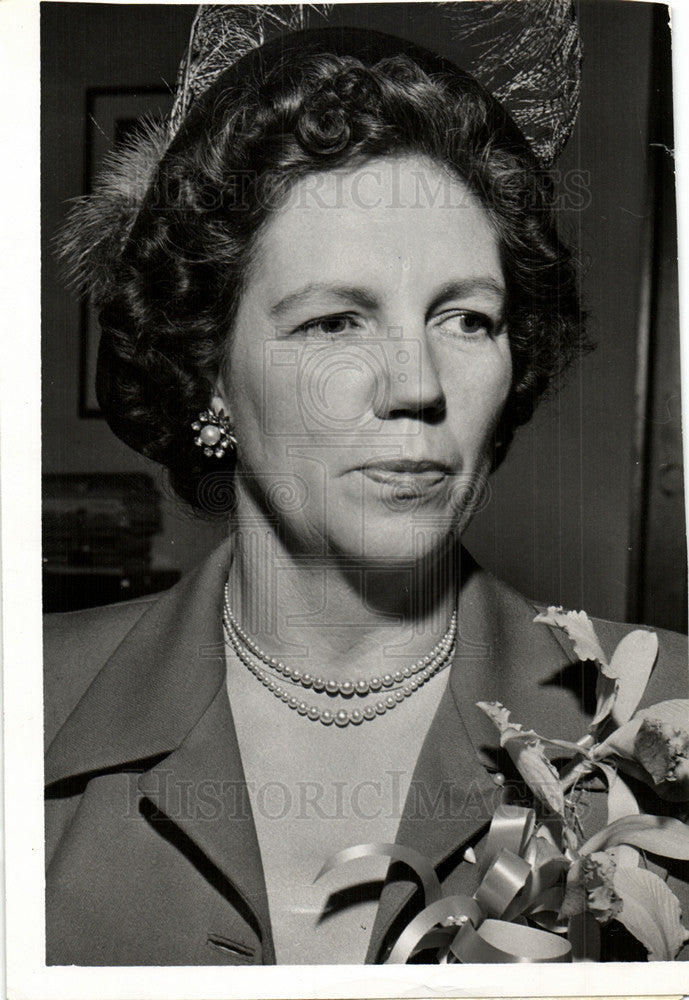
(339, 618)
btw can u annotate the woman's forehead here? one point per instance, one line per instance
(382, 218)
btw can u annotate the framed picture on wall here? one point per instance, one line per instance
(112, 116)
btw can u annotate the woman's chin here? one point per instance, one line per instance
(396, 546)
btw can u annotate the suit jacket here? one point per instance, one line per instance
(152, 854)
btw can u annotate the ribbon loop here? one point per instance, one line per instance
(502, 942)
(451, 908)
(510, 829)
(505, 878)
(396, 852)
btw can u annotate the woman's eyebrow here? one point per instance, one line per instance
(470, 286)
(362, 297)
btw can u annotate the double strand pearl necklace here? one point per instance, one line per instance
(395, 687)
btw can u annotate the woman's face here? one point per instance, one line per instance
(369, 363)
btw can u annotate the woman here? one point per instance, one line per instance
(336, 291)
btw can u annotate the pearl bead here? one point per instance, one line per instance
(415, 675)
(498, 779)
(210, 435)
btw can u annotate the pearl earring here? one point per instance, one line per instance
(214, 433)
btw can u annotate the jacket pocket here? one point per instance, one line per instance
(243, 953)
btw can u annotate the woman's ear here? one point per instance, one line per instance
(219, 401)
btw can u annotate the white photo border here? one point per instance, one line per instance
(27, 975)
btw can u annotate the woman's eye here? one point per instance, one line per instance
(328, 326)
(469, 325)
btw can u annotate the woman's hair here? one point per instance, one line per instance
(169, 308)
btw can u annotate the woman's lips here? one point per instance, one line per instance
(406, 474)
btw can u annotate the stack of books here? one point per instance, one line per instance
(103, 521)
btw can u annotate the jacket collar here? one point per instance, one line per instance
(162, 694)
(501, 656)
(157, 684)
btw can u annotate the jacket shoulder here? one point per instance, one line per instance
(76, 644)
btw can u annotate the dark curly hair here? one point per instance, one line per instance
(311, 102)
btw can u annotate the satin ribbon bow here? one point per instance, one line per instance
(521, 868)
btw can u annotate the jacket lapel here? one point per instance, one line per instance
(162, 695)
(157, 684)
(501, 656)
(201, 787)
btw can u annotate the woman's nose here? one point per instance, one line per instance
(411, 381)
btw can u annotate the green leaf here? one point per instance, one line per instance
(578, 627)
(535, 768)
(621, 800)
(631, 666)
(658, 834)
(574, 901)
(622, 681)
(500, 717)
(621, 803)
(527, 750)
(651, 912)
(605, 700)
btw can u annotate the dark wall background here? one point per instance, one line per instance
(560, 524)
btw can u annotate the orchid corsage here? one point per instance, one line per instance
(545, 887)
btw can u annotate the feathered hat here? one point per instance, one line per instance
(526, 53)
